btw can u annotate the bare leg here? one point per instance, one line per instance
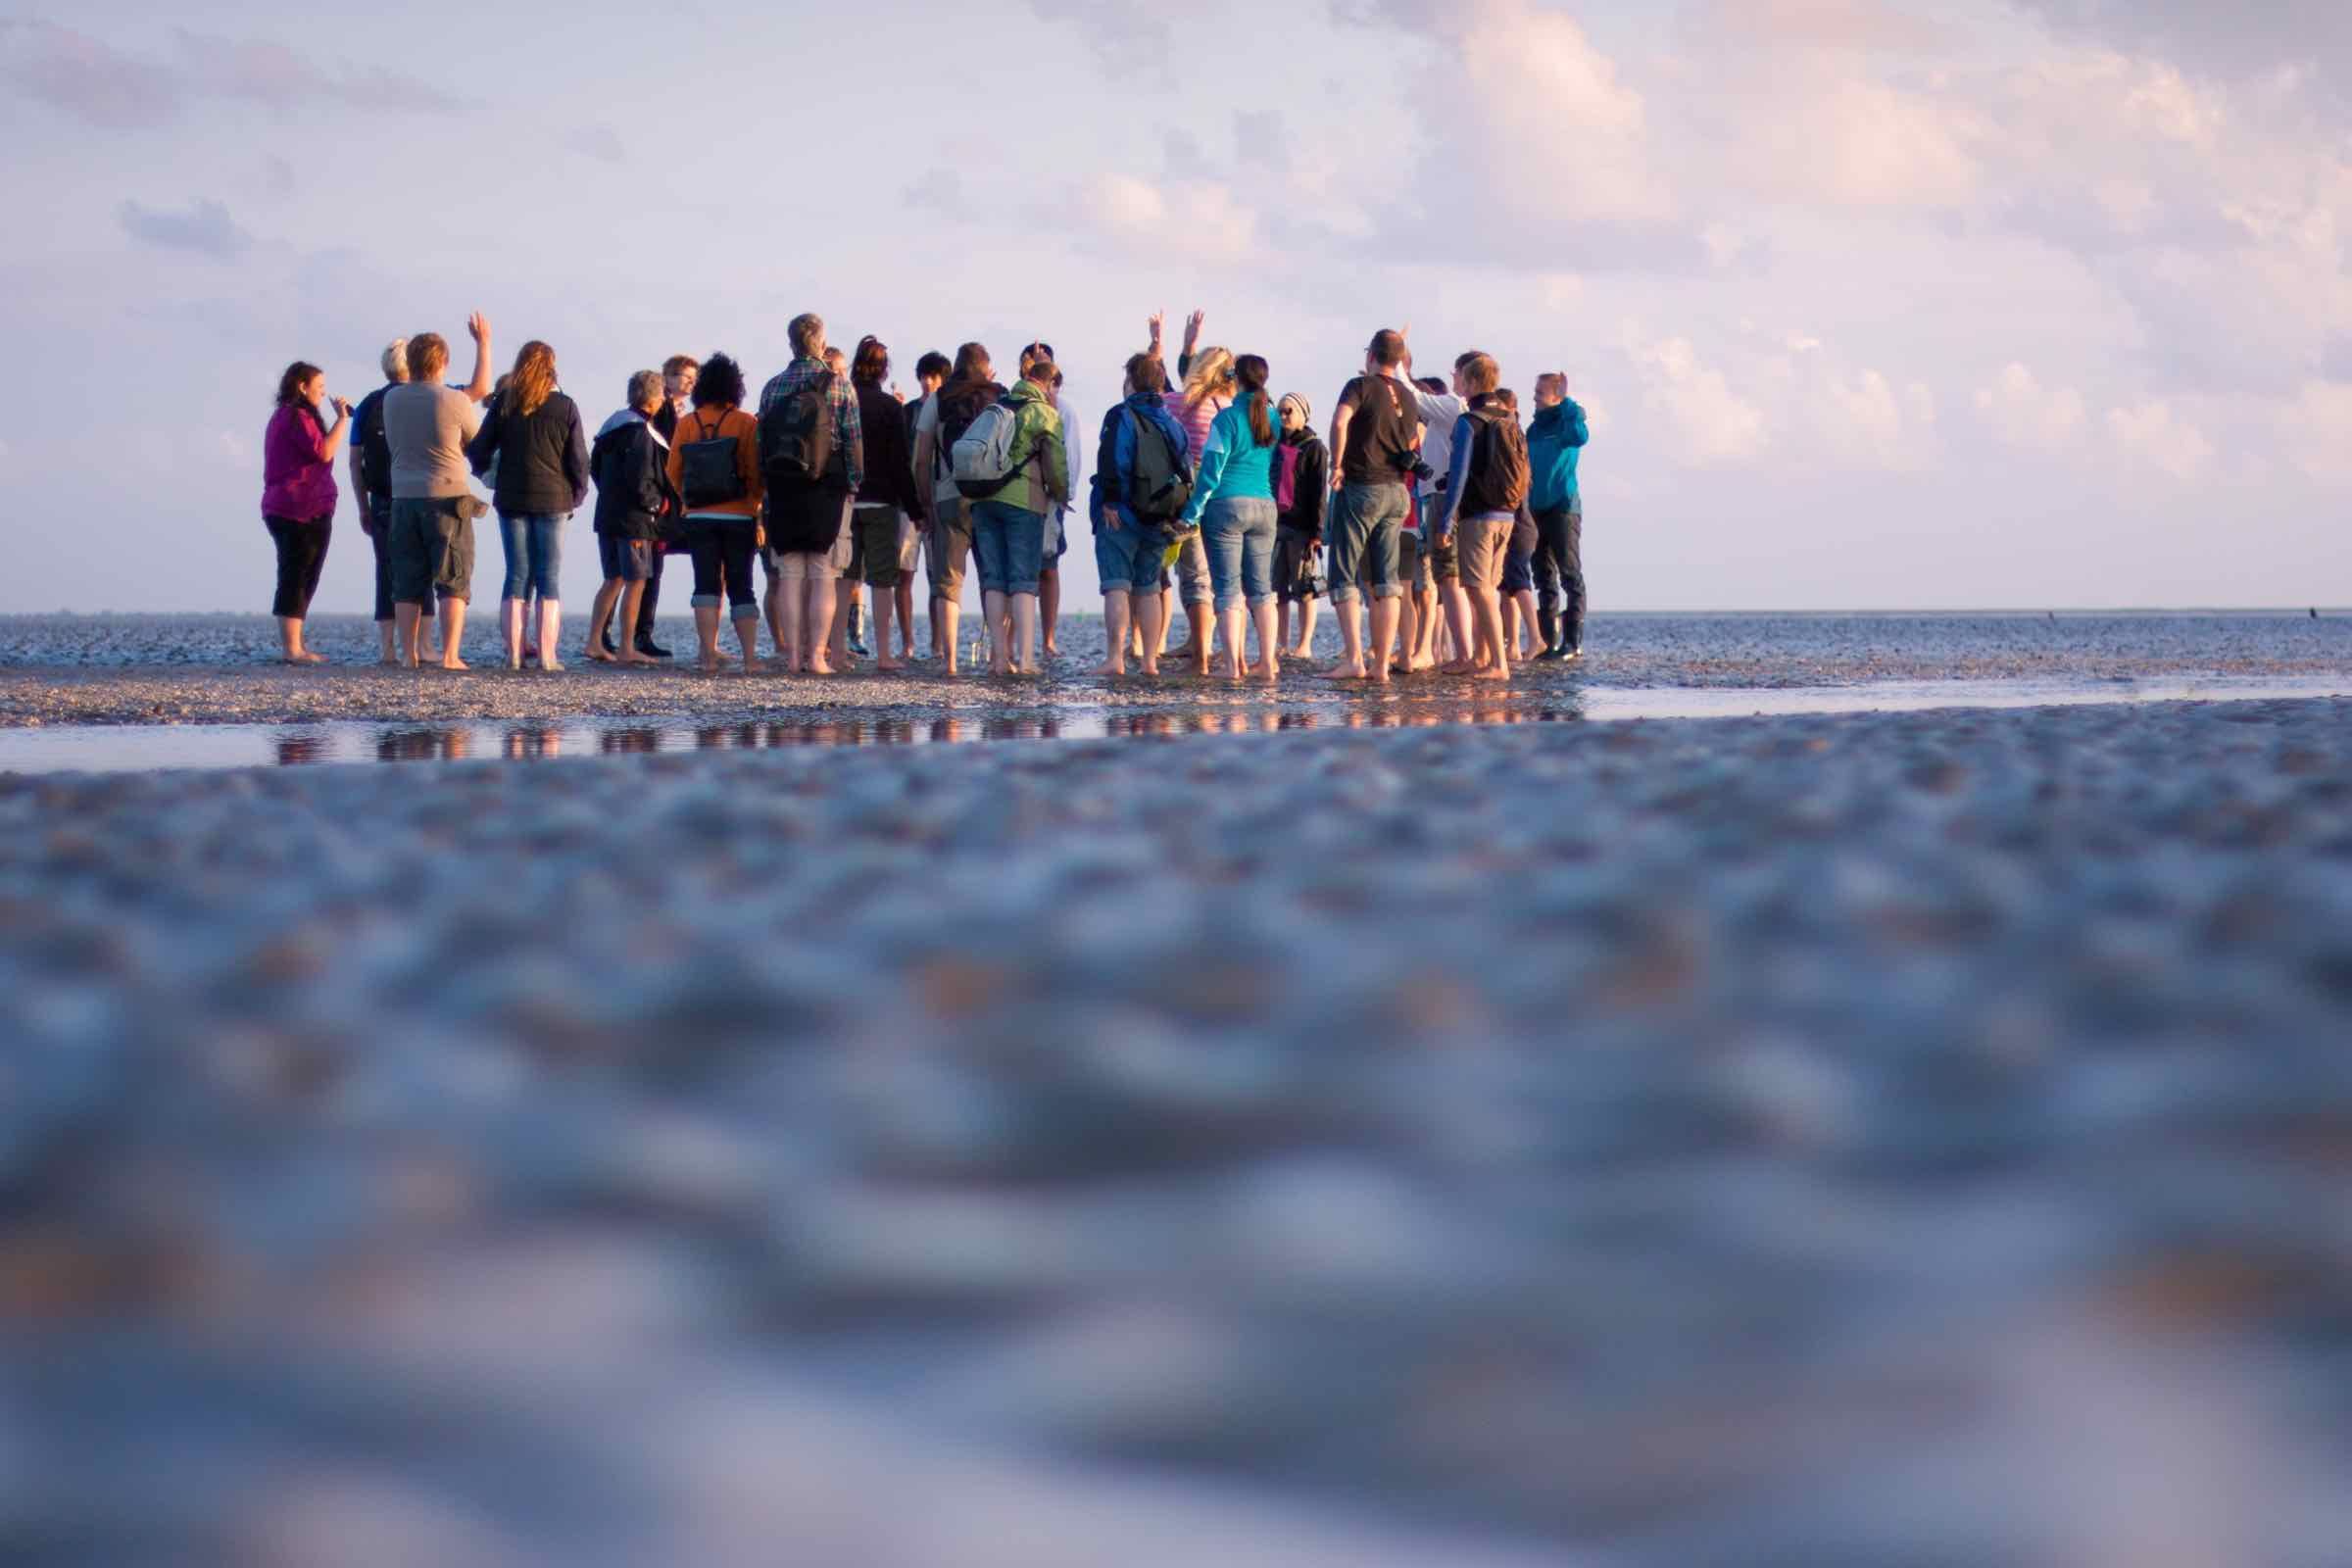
(510, 630)
(1115, 611)
(1493, 659)
(791, 596)
(992, 612)
(1231, 618)
(1150, 626)
(886, 605)
(1269, 642)
(747, 636)
(1384, 639)
(408, 632)
(289, 642)
(904, 593)
(551, 624)
(706, 633)
(608, 594)
(1409, 628)
(1203, 617)
(840, 596)
(773, 597)
(822, 625)
(1351, 642)
(1306, 629)
(1023, 642)
(1049, 606)
(388, 632)
(453, 632)
(632, 599)
(944, 612)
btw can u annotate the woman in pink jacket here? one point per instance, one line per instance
(298, 497)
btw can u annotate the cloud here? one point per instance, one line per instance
(940, 191)
(1866, 417)
(1708, 422)
(1865, 25)
(598, 141)
(1124, 37)
(116, 90)
(2319, 429)
(204, 228)
(2335, 360)
(94, 82)
(2156, 434)
(1181, 217)
(2249, 37)
(2022, 412)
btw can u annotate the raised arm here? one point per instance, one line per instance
(479, 325)
(330, 445)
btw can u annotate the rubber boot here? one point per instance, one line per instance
(1547, 622)
(510, 630)
(551, 625)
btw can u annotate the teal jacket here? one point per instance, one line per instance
(1555, 440)
(1233, 465)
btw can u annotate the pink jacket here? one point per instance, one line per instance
(297, 481)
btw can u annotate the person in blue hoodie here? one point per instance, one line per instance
(1133, 530)
(1555, 439)
(634, 502)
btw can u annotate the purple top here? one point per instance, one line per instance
(296, 482)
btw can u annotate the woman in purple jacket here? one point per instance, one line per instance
(298, 497)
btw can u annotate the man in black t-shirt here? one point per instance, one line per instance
(1375, 442)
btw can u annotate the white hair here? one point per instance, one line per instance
(396, 360)
(645, 387)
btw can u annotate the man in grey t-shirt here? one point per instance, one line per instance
(426, 427)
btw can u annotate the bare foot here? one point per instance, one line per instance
(888, 666)
(1459, 666)
(818, 667)
(1151, 668)
(1346, 672)
(1380, 677)
(708, 664)
(453, 662)
(1493, 672)
(599, 656)
(1110, 667)
(630, 659)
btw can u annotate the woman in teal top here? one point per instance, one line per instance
(1233, 506)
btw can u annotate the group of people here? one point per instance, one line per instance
(1427, 510)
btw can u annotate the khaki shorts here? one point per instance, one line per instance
(951, 547)
(878, 528)
(1483, 543)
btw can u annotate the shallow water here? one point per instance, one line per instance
(130, 747)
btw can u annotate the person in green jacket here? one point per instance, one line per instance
(1008, 523)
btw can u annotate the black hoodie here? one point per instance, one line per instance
(1310, 483)
(633, 493)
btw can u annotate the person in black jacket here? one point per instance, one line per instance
(533, 448)
(1304, 463)
(634, 505)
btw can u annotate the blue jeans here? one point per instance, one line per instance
(1010, 543)
(534, 543)
(1127, 557)
(1239, 532)
(1362, 534)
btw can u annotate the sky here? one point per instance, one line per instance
(1873, 303)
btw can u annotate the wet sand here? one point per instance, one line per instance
(1912, 1138)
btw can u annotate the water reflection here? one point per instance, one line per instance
(447, 744)
(301, 751)
(530, 743)
(637, 740)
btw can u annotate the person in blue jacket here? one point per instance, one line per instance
(1555, 439)
(1129, 545)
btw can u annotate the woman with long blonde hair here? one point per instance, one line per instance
(1209, 383)
(531, 435)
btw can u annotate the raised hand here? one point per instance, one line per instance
(1192, 329)
(479, 325)
(342, 407)
(1158, 322)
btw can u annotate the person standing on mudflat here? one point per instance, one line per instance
(372, 486)
(426, 427)
(1555, 441)
(1376, 438)
(298, 497)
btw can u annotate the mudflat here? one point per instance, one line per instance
(1853, 1139)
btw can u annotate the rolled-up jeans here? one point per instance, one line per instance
(1362, 534)
(1010, 543)
(1193, 584)
(1238, 534)
(534, 543)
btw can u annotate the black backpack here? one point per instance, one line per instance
(708, 466)
(796, 436)
(1161, 485)
(375, 453)
(1499, 474)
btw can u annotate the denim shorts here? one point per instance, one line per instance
(1127, 558)
(534, 545)
(1010, 543)
(1238, 534)
(1363, 536)
(431, 549)
(1519, 572)
(624, 559)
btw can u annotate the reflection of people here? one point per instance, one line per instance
(298, 498)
